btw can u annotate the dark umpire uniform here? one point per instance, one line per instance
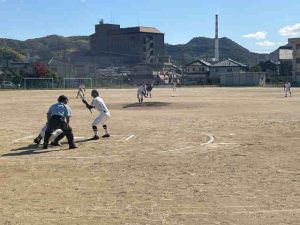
(58, 118)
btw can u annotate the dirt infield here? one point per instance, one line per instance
(194, 156)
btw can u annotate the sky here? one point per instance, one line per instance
(258, 25)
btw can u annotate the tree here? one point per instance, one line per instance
(39, 69)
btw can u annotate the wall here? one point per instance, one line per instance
(242, 79)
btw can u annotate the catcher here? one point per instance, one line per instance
(56, 136)
(99, 104)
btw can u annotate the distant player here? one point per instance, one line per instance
(99, 104)
(56, 136)
(141, 92)
(174, 84)
(81, 90)
(149, 88)
(287, 88)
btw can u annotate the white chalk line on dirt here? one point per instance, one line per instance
(23, 138)
(178, 149)
(211, 140)
(128, 138)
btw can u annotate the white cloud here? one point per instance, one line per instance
(266, 43)
(260, 35)
(281, 43)
(290, 30)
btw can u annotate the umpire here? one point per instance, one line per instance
(58, 118)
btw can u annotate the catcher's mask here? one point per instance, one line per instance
(94, 93)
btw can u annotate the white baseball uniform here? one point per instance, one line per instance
(102, 108)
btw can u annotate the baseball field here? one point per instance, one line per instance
(194, 156)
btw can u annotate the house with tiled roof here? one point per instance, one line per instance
(196, 72)
(224, 67)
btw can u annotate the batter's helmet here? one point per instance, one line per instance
(94, 93)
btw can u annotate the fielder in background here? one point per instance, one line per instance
(287, 88)
(174, 84)
(99, 104)
(81, 90)
(58, 117)
(56, 136)
(149, 90)
(141, 92)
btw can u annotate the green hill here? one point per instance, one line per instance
(49, 46)
(203, 48)
(7, 53)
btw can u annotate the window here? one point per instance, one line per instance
(298, 47)
(193, 69)
(229, 70)
(298, 60)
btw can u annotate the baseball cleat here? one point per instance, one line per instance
(72, 146)
(96, 137)
(106, 136)
(56, 144)
(37, 140)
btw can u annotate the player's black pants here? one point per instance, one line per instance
(57, 122)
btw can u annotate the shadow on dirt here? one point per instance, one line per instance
(146, 104)
(38, 149)
(29, 150)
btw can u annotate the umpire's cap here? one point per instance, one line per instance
(62, 99)
(94, 93)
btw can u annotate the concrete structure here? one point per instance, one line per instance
(128, 45)
(216, 40)
(243, 79)
(285, 53)
(225, 67)
(295, 42)
(270, 67)
(196, 72)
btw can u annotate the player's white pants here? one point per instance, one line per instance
(54, 134)
(101, 119)
(139, 95)
(287, 91)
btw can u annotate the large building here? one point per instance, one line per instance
(127, 45)
(295, 42)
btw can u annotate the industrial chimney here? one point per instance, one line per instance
(216, 40)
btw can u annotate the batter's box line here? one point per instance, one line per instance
(211, 140)
(127, 138)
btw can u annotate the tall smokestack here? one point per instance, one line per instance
(216, 40)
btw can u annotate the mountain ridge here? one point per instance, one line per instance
(181, 54)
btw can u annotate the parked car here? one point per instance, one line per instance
(7, 84)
